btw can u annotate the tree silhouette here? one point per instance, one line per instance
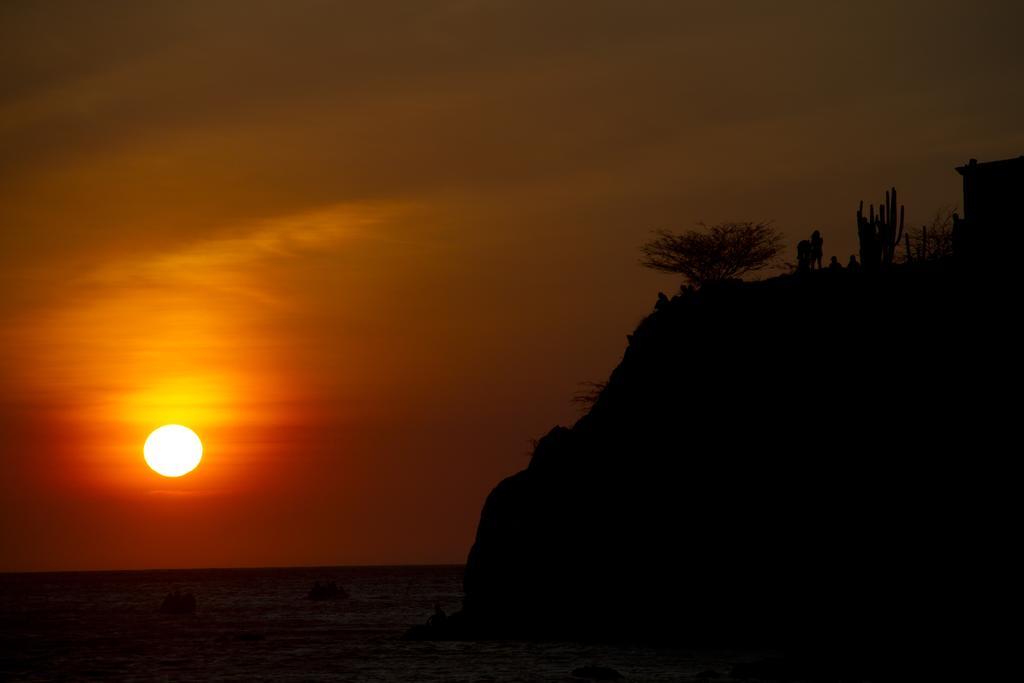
(934, 241)
(722, 252)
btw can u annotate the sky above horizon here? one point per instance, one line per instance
(368, 251)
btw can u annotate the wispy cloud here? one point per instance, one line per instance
(174, 326)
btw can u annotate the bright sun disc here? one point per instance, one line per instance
(173, 450)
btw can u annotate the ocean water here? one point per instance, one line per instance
(256, 624)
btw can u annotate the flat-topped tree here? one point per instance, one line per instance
(725, 251)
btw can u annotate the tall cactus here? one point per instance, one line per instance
(867, 234)
(889, 232)
(879, 235)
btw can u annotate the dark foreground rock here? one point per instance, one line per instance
(816, 669)
(176, 602)
(326, 591)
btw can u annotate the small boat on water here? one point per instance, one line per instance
(178, 603)
(326, 591)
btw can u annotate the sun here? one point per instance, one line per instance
(173, 450)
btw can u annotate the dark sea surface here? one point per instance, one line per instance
(256, 624)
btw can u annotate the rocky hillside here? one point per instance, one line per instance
(791, 460)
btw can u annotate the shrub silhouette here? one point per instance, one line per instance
(934, 241)
(724, 251)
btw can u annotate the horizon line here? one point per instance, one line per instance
(4, 572)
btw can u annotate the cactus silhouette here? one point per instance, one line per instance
(890, 233)
(879, 235)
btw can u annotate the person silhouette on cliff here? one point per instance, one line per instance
(834, 264)
(803, 256)
(853, 264)
(817, 248)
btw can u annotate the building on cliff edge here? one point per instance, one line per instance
(993, 206)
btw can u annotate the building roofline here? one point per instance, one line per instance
(974, 165)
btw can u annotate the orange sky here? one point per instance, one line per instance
(368, 252)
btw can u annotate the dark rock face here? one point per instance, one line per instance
(790, 461)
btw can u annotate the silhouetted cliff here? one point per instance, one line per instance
(795, 460)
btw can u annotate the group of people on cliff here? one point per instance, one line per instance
(809, 255)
